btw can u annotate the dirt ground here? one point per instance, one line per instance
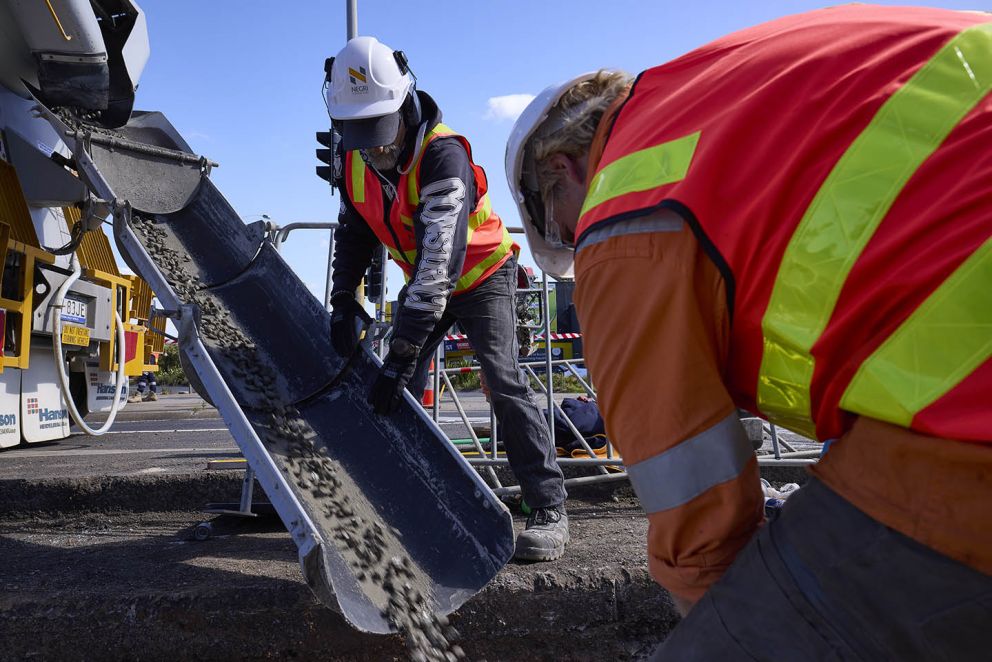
(137, 586)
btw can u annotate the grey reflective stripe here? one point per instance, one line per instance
(661, 221)
(685, 471)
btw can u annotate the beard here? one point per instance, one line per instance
(384, 158)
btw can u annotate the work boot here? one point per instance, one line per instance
(545, 536)
(151, 397)
(134, 397)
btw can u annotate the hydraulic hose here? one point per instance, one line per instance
(56, 306)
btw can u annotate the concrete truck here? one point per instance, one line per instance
(65, 303)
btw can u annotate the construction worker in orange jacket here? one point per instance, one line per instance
(796, 220)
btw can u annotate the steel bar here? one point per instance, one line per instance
(814, 453)
(492, 431)
(545, 306)
(476, 368)
(598, 462)
(436, 377)
(142, 148)
(569, 482)
(471, 432)
(575, 373)
(247, 490)
(283, 231)
(784, 462)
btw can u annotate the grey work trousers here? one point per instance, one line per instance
(824, 581)
(488, 316)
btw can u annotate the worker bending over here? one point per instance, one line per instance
(797, 220)
(409, 183)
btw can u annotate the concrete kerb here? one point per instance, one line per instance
(168, 407)
(145, 493)
(191, 491)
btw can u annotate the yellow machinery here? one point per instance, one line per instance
(32, 405)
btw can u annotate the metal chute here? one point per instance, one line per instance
(388, 517)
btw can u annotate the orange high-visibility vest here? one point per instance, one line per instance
(837, 166)
(489, 242)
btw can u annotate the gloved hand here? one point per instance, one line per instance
(345, 314)
(396, 372)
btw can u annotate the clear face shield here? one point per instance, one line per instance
(541, 208)
(552, 231)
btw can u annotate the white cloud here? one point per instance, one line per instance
(507, 107)
(198, 136)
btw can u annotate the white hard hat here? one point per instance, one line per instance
(368, 84)
(552, 257)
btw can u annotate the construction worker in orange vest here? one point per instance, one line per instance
(795, 219)
(408, 182)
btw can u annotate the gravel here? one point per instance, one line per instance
(372, 551)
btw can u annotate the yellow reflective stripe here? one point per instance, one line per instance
(476, 220)
(402, 256)
(476, 272)
(642, 170)
(413, 182)
(940, 344)
(357, 178)
(848, 208)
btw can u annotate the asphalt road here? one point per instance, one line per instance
(182, 434)
(179, 433)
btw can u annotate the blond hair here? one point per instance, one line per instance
(573, 122)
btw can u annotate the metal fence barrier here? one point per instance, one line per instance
(607, 469)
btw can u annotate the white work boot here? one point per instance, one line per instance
(134, 397)
(545, 536)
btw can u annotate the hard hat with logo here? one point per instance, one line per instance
(539, 118)
(367, 86)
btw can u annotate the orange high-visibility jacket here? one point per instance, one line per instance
(836, 166)
(489, 242)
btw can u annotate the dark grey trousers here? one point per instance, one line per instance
(488, 316)
(826, 582)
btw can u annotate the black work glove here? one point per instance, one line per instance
(396, 372)
(345, 315)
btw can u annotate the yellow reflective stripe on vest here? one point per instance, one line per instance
(476, 220)
(642, 170)
(940, 344)
(399, 256)
(849, 207)
(413, 181)
(469, 278)
(357, 178)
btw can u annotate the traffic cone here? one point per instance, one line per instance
(428, 399)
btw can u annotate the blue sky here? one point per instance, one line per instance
(242, 80)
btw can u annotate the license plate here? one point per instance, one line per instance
(74, 310)
(75, 335)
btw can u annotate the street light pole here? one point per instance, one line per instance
(352, 12)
